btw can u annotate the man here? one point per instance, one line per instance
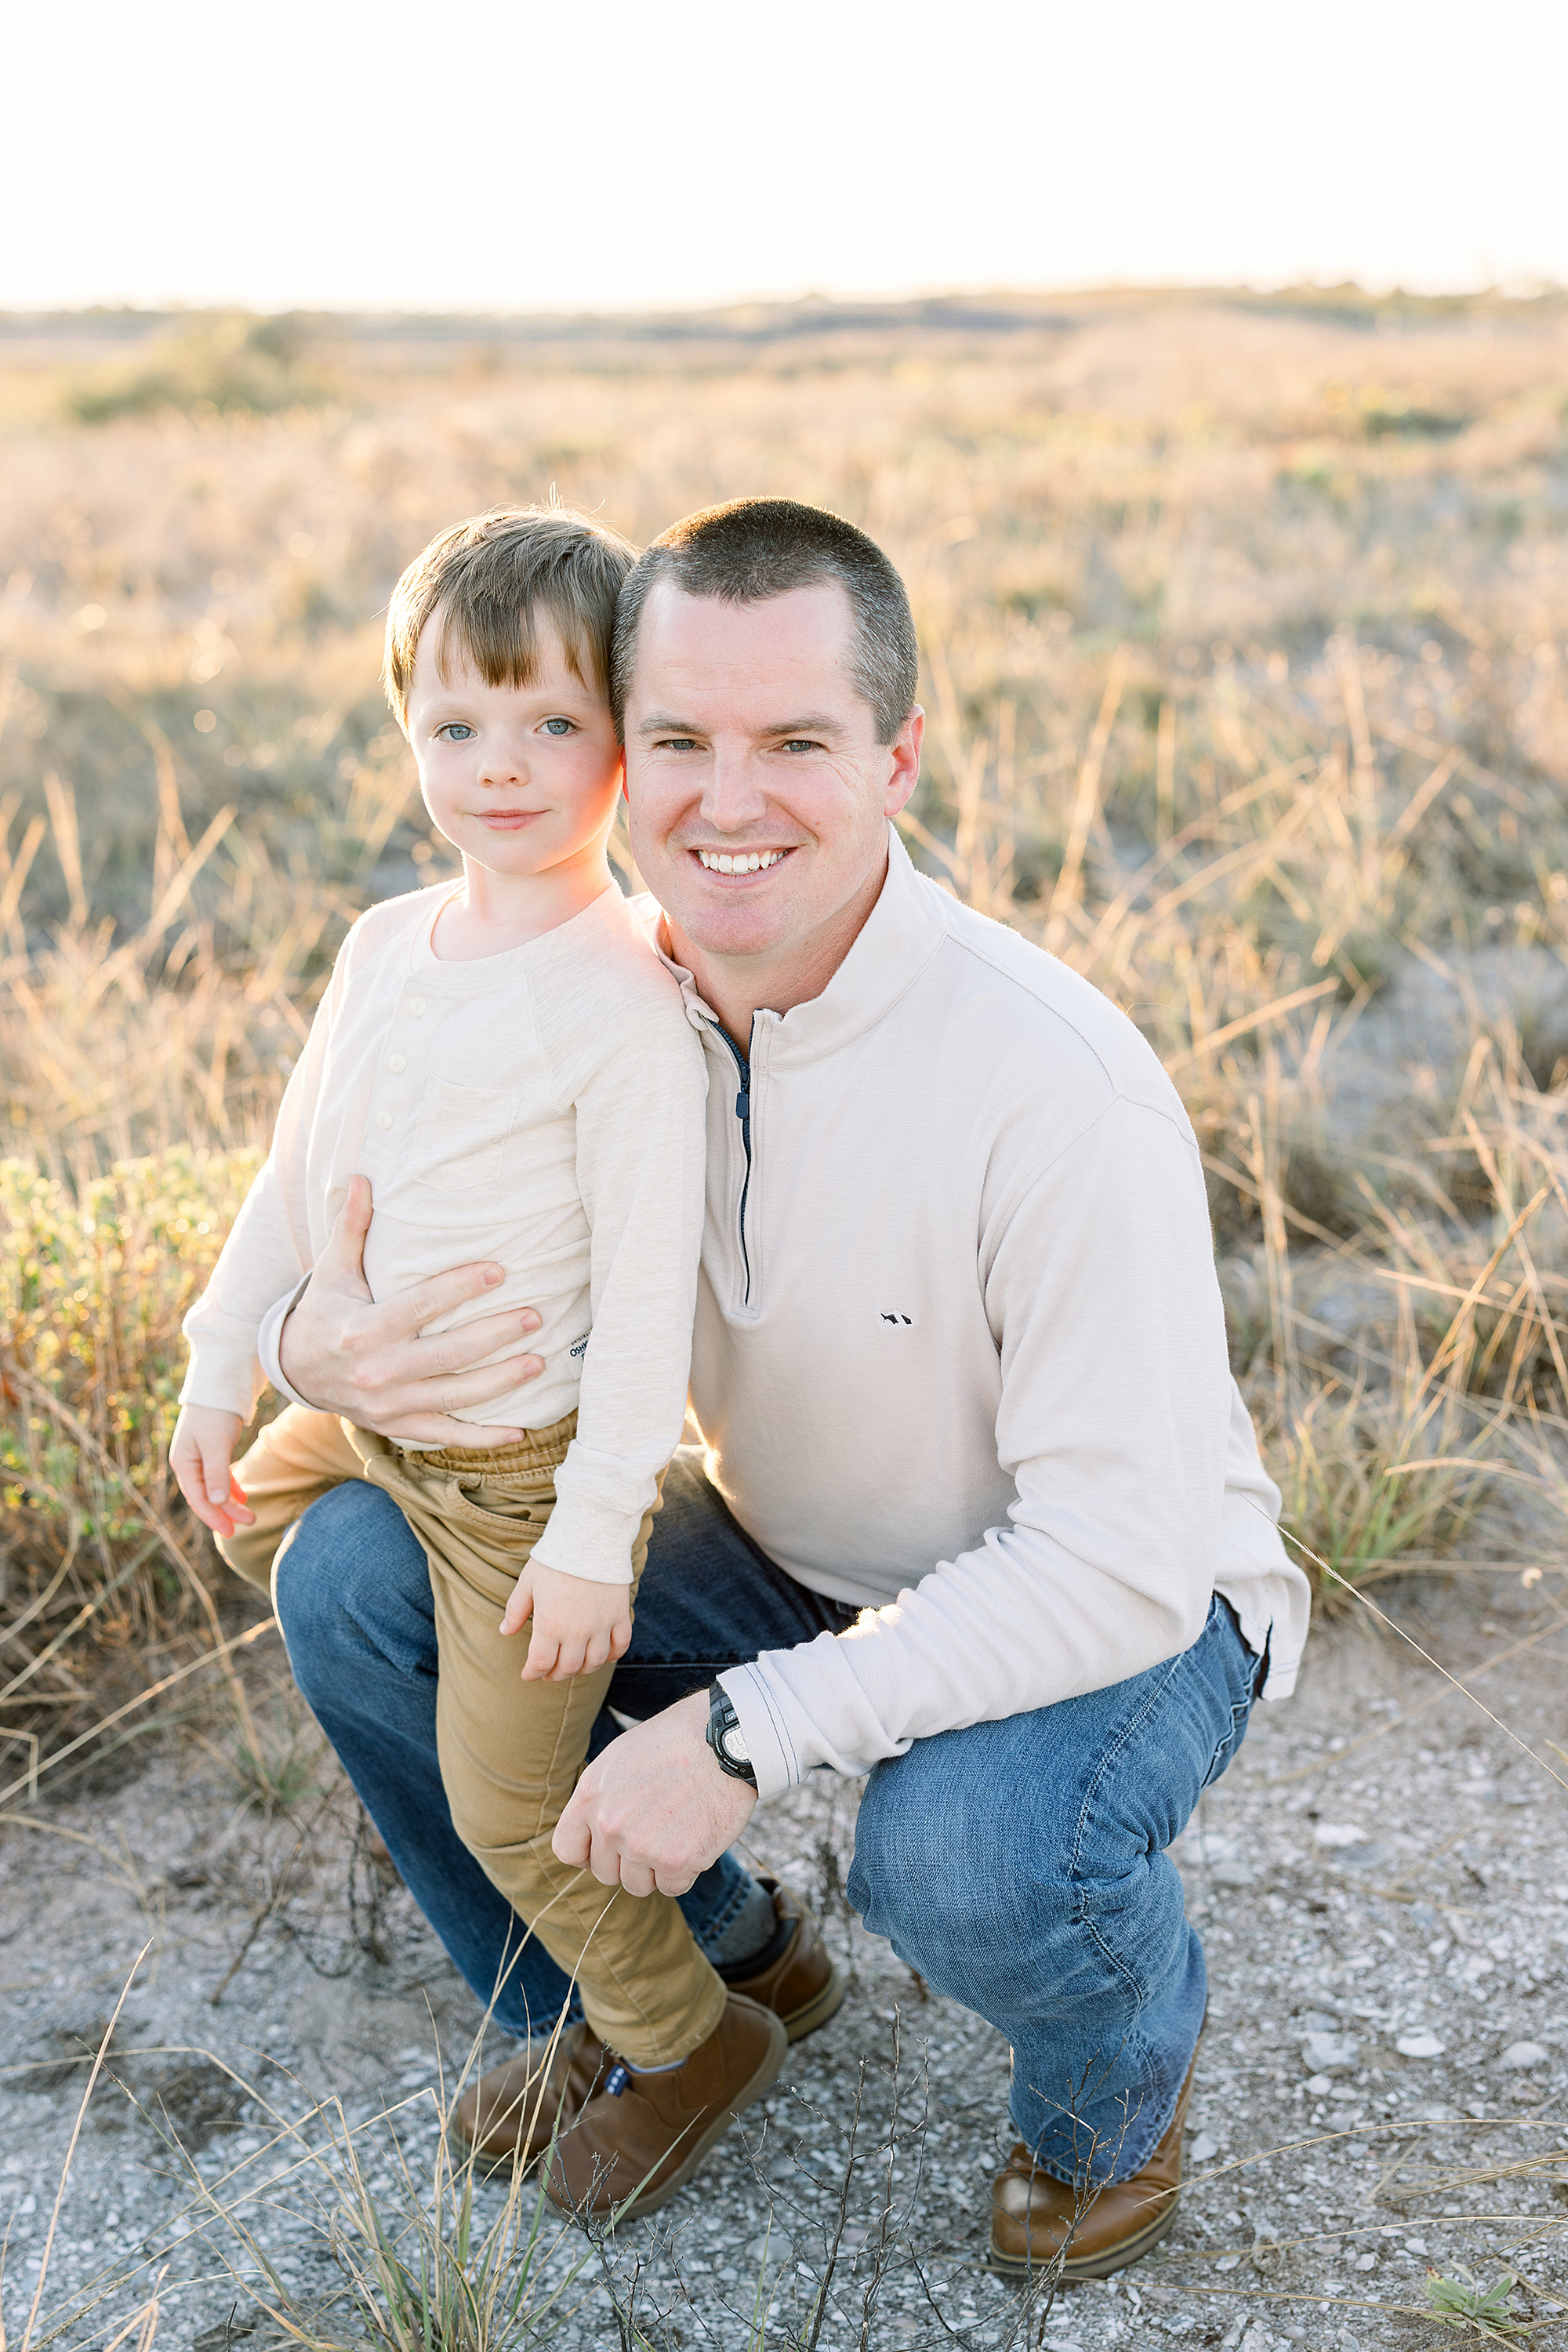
(982, 1512)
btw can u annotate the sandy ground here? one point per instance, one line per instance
(1382, 1880)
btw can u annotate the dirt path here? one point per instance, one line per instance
(1382, 1873)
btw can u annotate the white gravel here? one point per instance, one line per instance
(1383, 1884)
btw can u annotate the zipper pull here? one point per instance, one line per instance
(744, 1099)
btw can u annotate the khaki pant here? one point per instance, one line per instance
(510, 1751)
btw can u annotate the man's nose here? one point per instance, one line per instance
(734, 795)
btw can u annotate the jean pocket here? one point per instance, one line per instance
(1234, 1733)
(1240, 1670)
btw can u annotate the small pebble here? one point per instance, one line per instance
(1324, 2054)
(770, 2248)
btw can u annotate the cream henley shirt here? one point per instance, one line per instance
(543, 1107)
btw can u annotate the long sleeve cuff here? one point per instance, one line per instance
(224, 1379)
(802, 1707)
(600, 1499)
(269, 1340)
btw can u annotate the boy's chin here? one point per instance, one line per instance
(508, 856)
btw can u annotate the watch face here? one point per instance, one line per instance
(734, 1745)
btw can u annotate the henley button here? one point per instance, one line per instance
(384, 1118)
(417, 1005)
(397, 1062)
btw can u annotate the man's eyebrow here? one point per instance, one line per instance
(814, 724)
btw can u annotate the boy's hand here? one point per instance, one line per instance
(199, 1454)
(577, 1624)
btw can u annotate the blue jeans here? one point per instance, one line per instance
(1020, 1866)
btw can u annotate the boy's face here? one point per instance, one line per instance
(518, 778)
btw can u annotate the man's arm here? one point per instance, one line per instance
(341, 1352)
(1113, 1423)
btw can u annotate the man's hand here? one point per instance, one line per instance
(654, 1809)
(199, 1455)
(349, 1356)
(578, 1624)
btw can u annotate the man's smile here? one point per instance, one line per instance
(738, 861)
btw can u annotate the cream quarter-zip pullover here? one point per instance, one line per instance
(542, 1107)
(960, 1354)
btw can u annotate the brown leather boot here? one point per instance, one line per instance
(1032, 2215)
(794, 1976)
(642, 2137)
(509, 2114)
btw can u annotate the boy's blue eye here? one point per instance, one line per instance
(557, 727)
(456, 730)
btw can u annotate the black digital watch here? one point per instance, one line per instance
(726, 1738)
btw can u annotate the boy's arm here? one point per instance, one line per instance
(269, 1247)
(641, 1157)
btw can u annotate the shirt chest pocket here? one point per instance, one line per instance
(461, 1133)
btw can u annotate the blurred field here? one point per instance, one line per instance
(1245, 635)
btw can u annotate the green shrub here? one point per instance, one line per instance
(92, 1290)
(223, 364)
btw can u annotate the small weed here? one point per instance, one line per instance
(1459, 2299)
(272, 1775)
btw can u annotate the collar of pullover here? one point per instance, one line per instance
(899, 937)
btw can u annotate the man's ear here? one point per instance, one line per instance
(904, 755)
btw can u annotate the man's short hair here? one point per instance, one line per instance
(490, 579)
(756, 549)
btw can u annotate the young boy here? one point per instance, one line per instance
(507, 1061)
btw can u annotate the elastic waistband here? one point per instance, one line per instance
(536, 1449)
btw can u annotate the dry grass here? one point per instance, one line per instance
(1245, 630)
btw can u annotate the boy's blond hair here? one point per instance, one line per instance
(489, 579)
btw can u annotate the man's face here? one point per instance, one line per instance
(758, 794)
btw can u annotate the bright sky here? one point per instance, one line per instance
(500, 154)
